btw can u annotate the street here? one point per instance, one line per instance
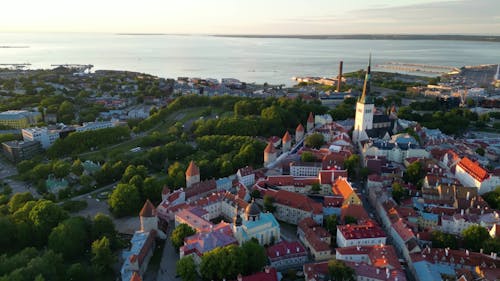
(168, 260)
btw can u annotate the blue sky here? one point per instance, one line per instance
(253, 16)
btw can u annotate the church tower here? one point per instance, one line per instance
(364, 110)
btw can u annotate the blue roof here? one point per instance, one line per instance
(429, 216)
(429, 271)
(137, 241)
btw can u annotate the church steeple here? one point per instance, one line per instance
(365, 96)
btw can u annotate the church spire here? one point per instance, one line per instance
(365, 96)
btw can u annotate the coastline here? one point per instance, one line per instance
(477, 38)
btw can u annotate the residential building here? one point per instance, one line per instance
(19, 119)
(92, 126)
(364, 234)
(246, 176)
(316, 239)
(17, 151)
(380, 256)
(305, 169)
(286, 254)
(45, 136)
(269, 274)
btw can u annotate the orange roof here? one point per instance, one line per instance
(342, 187)
(287, 137)
(310, 119)
(135, 277)
(300, 128)
(474, 169)
(148, 210)
(192, 170)
(355, 211)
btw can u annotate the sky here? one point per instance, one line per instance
(253, 16)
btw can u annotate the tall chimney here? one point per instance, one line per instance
(339, 82)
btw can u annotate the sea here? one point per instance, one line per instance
(259, 60)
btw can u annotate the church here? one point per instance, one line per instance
(368, 123)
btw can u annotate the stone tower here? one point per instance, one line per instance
(192, 174)
(270, 154)
(310, 122)
(287, 142)
(299, 133)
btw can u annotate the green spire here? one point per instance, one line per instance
(365, 96)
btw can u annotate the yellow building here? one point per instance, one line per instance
(19, 119)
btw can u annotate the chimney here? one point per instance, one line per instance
(446, 251)
(240, 277)
(378, 270)
(462, 212)
(267, 269)
(481, 251)
(339, 82)
(468, 195)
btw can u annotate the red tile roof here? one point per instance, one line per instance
(148, 210)
(285, 249)
(403, 230)
(201, 188)
(271, 275)
(297, 201)
(192, 170)
(473, 169)
(245, 171)
(355, 211)
(361, 231)
(300, 128)
(456, 257)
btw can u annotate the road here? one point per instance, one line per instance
(168, 260)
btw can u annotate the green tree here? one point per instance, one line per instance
(331, 224)
(7, 233)
(352, 165)
(480, 151)
(180, 232)
(186, 268)
(492, 197)
(45, 215)
(18, 200)
(315, 140)
(125, 200)
(492, 245)
(77, 272)
(473, 235)
(315, 187)
(222, 262)
(269, 203)
(307, 156)
(61, 169)
(339, 271)
(398, 192)
(103, 225)
(66, 111)
(77, 167)
(102, 257)
(443, 240)
(70, 238)
(414, 173)
(350, 220)
(255, 256)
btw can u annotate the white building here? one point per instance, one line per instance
(246, 176)
(92, 126)
(470, 173)
(457, 223)
(305, 169)
(44, 135)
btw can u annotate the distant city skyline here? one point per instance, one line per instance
(254, 17)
